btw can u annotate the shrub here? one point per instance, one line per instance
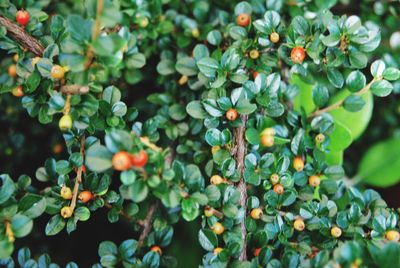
(255, 104)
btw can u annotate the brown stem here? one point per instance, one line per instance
(95, 32)
(74, 89)
(340, 103)
(147, 224)
(78, 179)
(22, 37)
(67, 105)
(121, 212)
(239, 153)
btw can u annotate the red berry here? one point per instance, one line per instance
(22, 17)
(297, 55)
(85, 196)
(121, 161)
(243, 19)
(139, 159)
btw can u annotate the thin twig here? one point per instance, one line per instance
(147, 224)
(239, 152)
(95, 32)
(22, 37)
(78, 179)
(340, 103)
(74, 89)
(121, 212)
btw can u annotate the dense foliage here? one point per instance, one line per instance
(255, 104)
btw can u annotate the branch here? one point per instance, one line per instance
(78, 179)
(340, 103)
(239, 153)
(95, 32)
(22, 37)
(74, 89)
(147, 224)
(121, 212)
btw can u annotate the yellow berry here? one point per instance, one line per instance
(195, 32)
(15, 57)
(320, 138)
(65, 122)
(215, 149)
(218, 228)
(268, 131)
(299, 225)
(12, 70)
(298, 163)
(57, 72)
(274, 178)
(144, 22)
(183, 80)
(336, 232)
(314, 180)
(392, 235)
(217, 250)
(66, 192)
(208, 212)
(17, 91)
(216, 179)
(256, 213)
(274, 37)
(66, 212)
(254, 54)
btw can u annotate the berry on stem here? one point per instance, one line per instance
(85, 196)
(216, 179)
(274, 178)
(57, 72)
(12, 70)
(208, 212)
(269, 131)
(121, 161)
(217, 250)
(274, 37)
(243, 19)
(140, 159)
(66, 212)
(298, 163)
(65, 122)
(392, 235)
(297, 55)
(336, 232)
(278, 188)
(66, 193)
(267, 140)
(254, 54)
(320, 138)
(22, 17)
(231, 114)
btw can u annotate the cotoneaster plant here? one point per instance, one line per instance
(246, 135)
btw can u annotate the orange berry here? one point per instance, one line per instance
(297, 55)
(255, 74)
(274, 37)
(269, 131)
(231, 114)
(121, 161)
(299, 225)
(217, 250)
(17, 91)
(243, 19)
(183, 80)
(278, 188)
(57, 148)
(256, 213)
(156, 249)
(267, 140)
(257, 252)
(85, 196)
(12, 70)
(298, 163)
(314, 180)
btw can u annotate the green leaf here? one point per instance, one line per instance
(252, 136)
(21, 225)
(165, 67)
(334, 172)
(353, 103)
(381, 163)
(300, 25)
(128, 177)
(196, 110)
(208, 66)
(82, 213)
(138, 191)
(55, 225)
(7, 188)
(186, 66)
(356, 122)
(391, 74)
(214, 37)
(355, 81)
(32, 205)
(79, 29)
(304, 98)
(335, 77)
(98, 158)
(320, 95)
(358, 59)
(208, 240)
(136, 61)
(377, 68)
(245, 107)
(340, 138)
(381, 88)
